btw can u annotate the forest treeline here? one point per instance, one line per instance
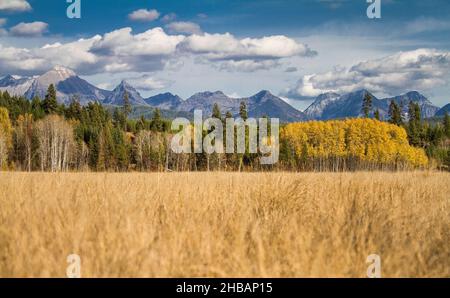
(43, 135)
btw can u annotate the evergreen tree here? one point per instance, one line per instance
(377, 115)
(228, 115)
(243, 111)
(50, 104)
(367, 105)
(414, 128)
(395, 115)
(126, 104)
(446, 124)
(74, 109)
(36, 108)
(157, 124)
(120, 119)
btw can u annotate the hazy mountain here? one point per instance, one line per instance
(117, 95)
(205, 101)
(331, 106)
(265, 103)
(68, 85)
(262, 104)
(334, 106)
(443, 110)
(325, 106)
(316, 109)
(164, 101)
(15, 85)
(427, 108)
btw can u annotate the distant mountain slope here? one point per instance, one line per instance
(15, 86)
(334, 106)
(426, 107)
(443, 110)
(117, 95)
(330, 106)
(205, 101)
(165, 101)
(325, 106)
(261, 104)
(265, 103)
(316, 109)
(67, 84)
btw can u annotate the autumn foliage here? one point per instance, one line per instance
(348, 144)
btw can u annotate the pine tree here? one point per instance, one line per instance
(50, 104)
(74, 109)
(243, 111)
(446, 124)
(126, 104)
(36, 108)
(367, 105)
(377, 115)
(228, 115)
(157, 123)
(414, 128)
(395, 115)
(120, 120)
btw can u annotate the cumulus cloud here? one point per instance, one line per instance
(114, 52)
(144, 15)
(420, 69)
(2, 21)
(148, 83)
(246, 54)
(29, 29)
(14, 5)
(153, 50)
(184, 27)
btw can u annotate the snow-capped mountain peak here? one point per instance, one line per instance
(56, 75)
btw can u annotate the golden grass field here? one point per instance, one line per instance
(225, 224)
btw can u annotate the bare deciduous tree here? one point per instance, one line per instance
(56, 143)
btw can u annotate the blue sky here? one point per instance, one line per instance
(296, 49)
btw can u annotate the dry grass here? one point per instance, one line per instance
(225, 224)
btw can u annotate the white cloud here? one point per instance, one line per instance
(29, 29)
(148, 83)
(246, 54)
(170, 17)
(105, 86)
(248, 65)
(114, 52)
(184, 27)
(144, 15)
(122, 43)
(2, 21)
(421, 25)
(420, 69)
(153, 50)
(14, 5)
(227, 47)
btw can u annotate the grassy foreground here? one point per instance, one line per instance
(225, 224)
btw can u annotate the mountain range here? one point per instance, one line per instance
(334, 106)
(326, 106)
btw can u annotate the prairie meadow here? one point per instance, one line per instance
(221, 224)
